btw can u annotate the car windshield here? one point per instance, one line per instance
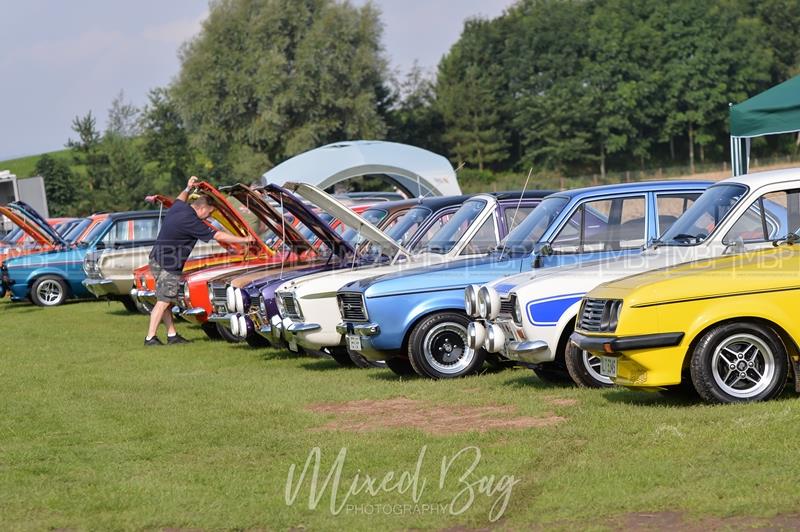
(94, 235)
(704, 216)
(448, 236)
(408, 225)
(75, 231)
(12, 236)
(373, 216)
(530, 231)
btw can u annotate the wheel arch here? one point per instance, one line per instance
(792, 349)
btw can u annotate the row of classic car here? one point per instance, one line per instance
(577, 285)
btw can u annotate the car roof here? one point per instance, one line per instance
(639, 186)
(133, 214)
(515, 194)
(759, 179)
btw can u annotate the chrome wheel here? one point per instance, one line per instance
(743, 366)
(592, 365)
(50, 292)
(446, 349)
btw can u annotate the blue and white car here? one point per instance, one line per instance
(529, 318)
(416, 319)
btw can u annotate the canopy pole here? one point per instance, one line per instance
(746, 160)
(733, 157)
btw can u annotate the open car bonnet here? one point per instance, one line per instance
(269, 216)
(339, 210)
(308, 218)
(230, 218)
(32, 223)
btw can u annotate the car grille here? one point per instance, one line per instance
(255, 303)
(219, 299)
(290, 307)
(351, 306)
(506, 306)
(599, 315)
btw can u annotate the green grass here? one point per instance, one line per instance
(24, 166)
(98, 432)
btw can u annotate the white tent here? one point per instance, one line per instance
(417, 171)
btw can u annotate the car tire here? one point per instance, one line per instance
(227, 335)
(211, 330)
(401, 366)
(341, 356)
(739, 362)
(129, 304)
(361, 362)
(437, 347)
(256, 340)
(584, 368)
(49, 291)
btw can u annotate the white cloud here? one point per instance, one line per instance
(175, 32)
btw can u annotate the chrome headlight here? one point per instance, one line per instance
(262, 307)
(471, 300)
(186, 293)
(518, 314)
(488, 302)
(238, 300)
(230, 300)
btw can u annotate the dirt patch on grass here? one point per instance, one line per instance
(559, 401)
(681, 521)
(367, 415)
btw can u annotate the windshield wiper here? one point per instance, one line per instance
(790, 239)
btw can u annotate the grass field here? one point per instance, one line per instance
(98, 432)
(24, 166)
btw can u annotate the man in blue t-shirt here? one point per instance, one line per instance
(181, 228)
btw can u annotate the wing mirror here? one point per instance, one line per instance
(736, 246)
(541, 250)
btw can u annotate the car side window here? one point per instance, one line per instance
(771, 216)
(671, 206)
(483, 241)
(434, 228)
(604, 225)
(126, 231)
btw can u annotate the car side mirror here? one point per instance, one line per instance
(541, 250)
(735, 246)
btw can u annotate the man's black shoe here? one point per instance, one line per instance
(177, 339)
(153, 341)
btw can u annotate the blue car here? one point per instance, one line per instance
(415, 320)
(48, 279)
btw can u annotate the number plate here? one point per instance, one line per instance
(608, 366)
(354, 343)
(293, 345)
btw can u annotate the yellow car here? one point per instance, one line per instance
(726, 327)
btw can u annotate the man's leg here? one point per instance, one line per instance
(160, 310)
(169, 321)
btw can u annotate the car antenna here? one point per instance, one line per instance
(513, 218)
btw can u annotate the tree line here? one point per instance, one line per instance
(567, 87)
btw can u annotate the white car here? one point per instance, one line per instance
(528, 318)
(308, 306)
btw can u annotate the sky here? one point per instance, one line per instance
(62, 59)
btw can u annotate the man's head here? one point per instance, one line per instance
(203, 207)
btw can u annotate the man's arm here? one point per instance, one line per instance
(184, 195)
(222, 236)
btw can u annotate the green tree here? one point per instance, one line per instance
(62, 187)
(265, 80)
(469, 94)
(415, 118)
(92, 162)
(165, 143)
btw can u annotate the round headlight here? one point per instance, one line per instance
(471, 300)
(234, 322)
(476, 335)
(238, 301)
(495, 339)
(517, 311)
(243, 329)
(230, 302)
(488, 302)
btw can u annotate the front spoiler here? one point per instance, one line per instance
(620, 344)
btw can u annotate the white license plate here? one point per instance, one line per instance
(354, 343)
(608, 366)
(293, 345)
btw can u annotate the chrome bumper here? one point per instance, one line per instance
(224, 319)
(358, 329)
(195, 315)
(99, 287)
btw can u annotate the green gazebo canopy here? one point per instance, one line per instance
(776, 110)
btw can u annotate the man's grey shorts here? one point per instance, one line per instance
(166, 283)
